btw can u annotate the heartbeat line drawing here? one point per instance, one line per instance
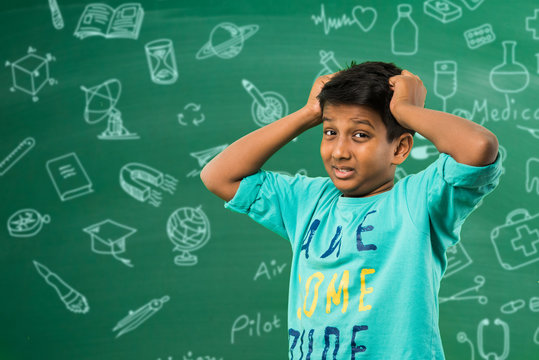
(364, 17)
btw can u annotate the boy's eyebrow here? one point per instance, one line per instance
(356, 120)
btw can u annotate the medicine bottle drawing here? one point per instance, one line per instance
(404, 32)
(510, 76)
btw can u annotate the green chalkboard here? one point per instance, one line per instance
(111, 247)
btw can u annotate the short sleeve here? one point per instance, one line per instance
(272, 199)
(449, 191)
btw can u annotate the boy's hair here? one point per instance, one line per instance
(365, 84)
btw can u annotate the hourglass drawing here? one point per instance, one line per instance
(161, 61)
(510, 76)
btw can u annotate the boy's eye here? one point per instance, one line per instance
(361, 135)
(329, 132)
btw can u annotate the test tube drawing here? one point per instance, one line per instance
(267, 106)
(161, 61)
(73, 300)
(445, 80)
(135, 318)
(57, 19)
(329, 64)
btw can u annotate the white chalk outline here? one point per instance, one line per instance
(519, 225)
(472, 4)
(535, 17)
(532, 177)
(436, 9)
(56, 15)
(267, 106)
(344, 20)
(479, 36)
(118, 22)
(465, 294)
(135, 318)
(141, 182)
(404, 11)
(115, 128)
(441, 68)
(192, 107)
(96, 239)
(509, 57)
(223, 50)
(16, 154)
(26, 223)
(157, 53)
(19, 67)
(66, 171)
(175, 221)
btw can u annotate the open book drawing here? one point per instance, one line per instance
(103, 20)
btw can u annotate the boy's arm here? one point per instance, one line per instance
(223, 174)
(467, 142)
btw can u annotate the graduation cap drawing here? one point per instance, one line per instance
(108, 237)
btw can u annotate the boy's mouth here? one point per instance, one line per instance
(342, 172)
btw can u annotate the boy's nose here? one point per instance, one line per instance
(340, 150)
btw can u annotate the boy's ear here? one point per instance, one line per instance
(403, 146)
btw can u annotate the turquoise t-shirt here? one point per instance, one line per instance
(365, 272)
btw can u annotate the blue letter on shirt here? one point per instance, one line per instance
(309, 236)
(334, 243)
(330, 330)
(360, 229)
(355, 348)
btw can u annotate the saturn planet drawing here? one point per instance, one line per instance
(226, 40)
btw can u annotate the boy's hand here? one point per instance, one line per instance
(408, 90)
(313, 105)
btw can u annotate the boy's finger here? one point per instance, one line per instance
(407, 73)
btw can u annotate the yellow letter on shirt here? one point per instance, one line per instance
(364, 290)
(320, 278)
(334, 296)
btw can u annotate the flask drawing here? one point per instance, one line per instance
(510, 76)
(404, 32)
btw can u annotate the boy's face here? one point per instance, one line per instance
(356, 153)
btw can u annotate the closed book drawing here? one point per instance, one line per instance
(68, 177)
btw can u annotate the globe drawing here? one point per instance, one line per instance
(189, 229)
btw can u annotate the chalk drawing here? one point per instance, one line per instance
(31, 73)
(102, 20)
(226, 40)
(26, 223)
(142, 181)
(101, 104)
(136, 318)
(16, 154)
(72, 299)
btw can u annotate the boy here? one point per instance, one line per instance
(368, 254)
